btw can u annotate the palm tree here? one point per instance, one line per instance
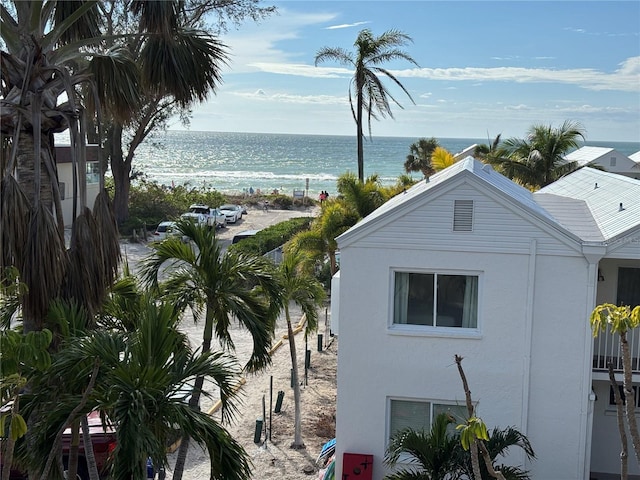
(298, 286)
(370, 93)
(181, 67)
(431, 454)
(419, 160)
(228, 285)
(441, 158)
(500, 440)
(483, 151)
(141, 386)
(539, 160)
(362, 197)
(319, 242)
(438, 454)
(44, 57)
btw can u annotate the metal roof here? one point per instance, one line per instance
(613, 201)
(586, 155)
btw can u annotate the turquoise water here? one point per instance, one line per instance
(234, 162)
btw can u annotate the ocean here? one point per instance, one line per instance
(237, 162)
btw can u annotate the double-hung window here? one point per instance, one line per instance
(435, 300)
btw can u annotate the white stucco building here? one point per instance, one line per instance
(470, 263)
(65, 179)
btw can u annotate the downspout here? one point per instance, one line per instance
(528, 341)
(593, 254)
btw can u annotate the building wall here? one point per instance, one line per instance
(65, 176)
(525, 368)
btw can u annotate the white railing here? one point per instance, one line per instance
(606, 348)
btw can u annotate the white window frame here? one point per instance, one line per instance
(429, 330)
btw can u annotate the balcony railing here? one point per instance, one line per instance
(606, 348)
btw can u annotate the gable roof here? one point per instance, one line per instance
(636, 158)
(613, 202)
(586, 155)
(572, 205)
(468, 168)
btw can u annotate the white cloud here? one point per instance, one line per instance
(624, 79)
(302, 70)
(346, 25)
(294, 99)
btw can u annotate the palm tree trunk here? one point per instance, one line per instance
(624, 454)
(629, 396)
(121, 170)
(475, 461)
(297, 422)
(194, 401)
(8, 446)
(359, 133)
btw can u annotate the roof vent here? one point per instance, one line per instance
(596, 185)
(486, 167)
(463, 215)
(620, 208)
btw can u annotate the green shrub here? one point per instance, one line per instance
(272, 237)
(151, 203)
(281, 202)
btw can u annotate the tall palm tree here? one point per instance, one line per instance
(228, 285)
(181, 67)
(46, 47)
(538, 160)
(371, 95)
(419, 160)
(300, 287)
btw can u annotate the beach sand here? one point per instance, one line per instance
(272, 457)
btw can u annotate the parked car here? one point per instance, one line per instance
(103, 439)
(203, 214)
(232, 212)
(242, 235)
(164, 229)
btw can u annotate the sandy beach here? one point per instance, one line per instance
(272, 457)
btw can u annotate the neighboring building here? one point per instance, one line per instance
(469, 263)
(65, 179)
(607, 158)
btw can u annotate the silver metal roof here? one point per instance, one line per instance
(613, 201)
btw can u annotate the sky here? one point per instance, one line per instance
(483, 69)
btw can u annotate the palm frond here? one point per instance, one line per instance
(14, 234)
(44, 268)
(187, 66)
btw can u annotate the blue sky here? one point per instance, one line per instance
(485, 68)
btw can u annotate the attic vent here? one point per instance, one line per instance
(463, 215)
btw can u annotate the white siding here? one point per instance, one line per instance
(496, 228)
(375, 364)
